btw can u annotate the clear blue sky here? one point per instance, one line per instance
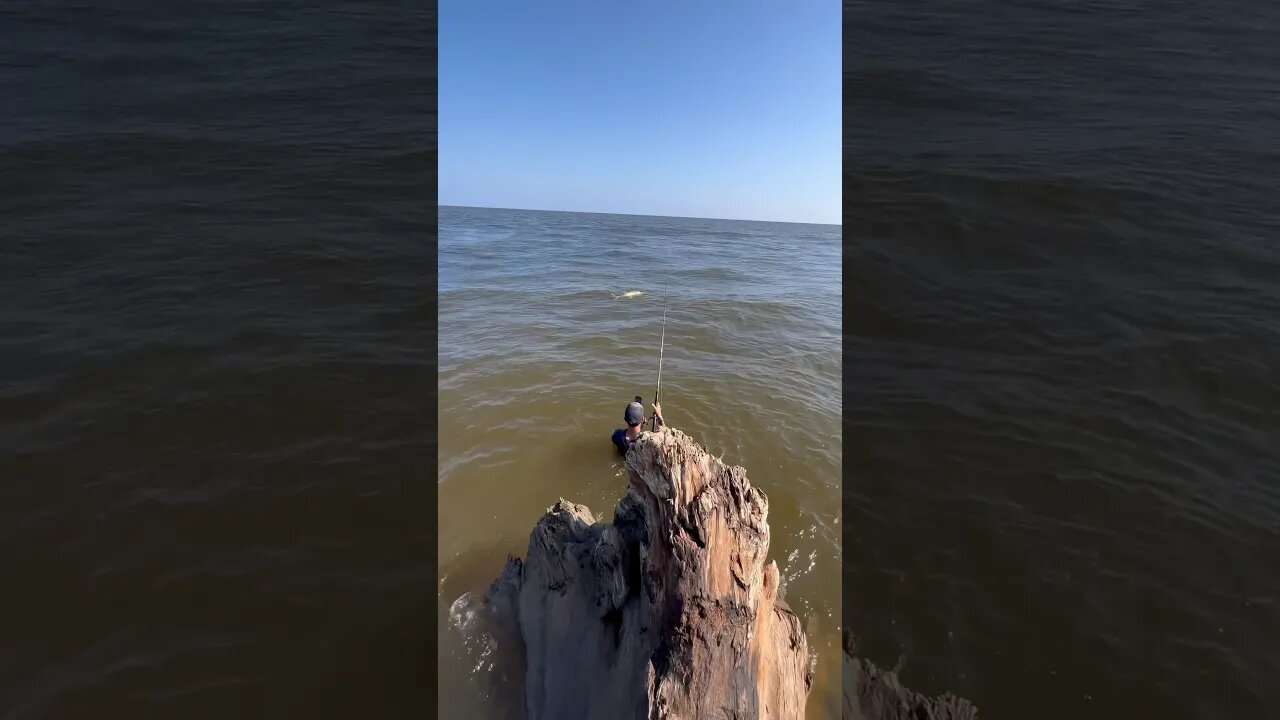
(701, 108)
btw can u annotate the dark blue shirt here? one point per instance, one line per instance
(620, 440)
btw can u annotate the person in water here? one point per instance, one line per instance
(624, 438)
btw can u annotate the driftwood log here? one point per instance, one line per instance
(670, 612)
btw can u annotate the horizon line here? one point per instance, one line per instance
(597, 212)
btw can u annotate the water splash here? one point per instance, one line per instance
(477, 645)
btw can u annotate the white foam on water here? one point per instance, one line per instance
(464, 615)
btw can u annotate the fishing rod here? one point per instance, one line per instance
(661, 346)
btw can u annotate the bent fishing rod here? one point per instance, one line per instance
(661, 346)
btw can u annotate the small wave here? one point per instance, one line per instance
(463, 613)
(478, 646)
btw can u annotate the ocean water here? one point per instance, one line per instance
(1062, 360)
(216, 360)
(540, 354)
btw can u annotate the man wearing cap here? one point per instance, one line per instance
(624, 438)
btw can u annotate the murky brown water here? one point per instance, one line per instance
(538, 358)
(1062, 360)
(215, 361)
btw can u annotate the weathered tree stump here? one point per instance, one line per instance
(670, 612)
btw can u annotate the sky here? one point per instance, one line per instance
(701, 108)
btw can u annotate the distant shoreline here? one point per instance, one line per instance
(673, 217)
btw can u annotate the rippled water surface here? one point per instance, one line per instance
(539, 355)
(1063, 360)
(215, 360)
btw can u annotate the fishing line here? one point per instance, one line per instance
(662, 344)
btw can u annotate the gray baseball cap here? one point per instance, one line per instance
(635, 414)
